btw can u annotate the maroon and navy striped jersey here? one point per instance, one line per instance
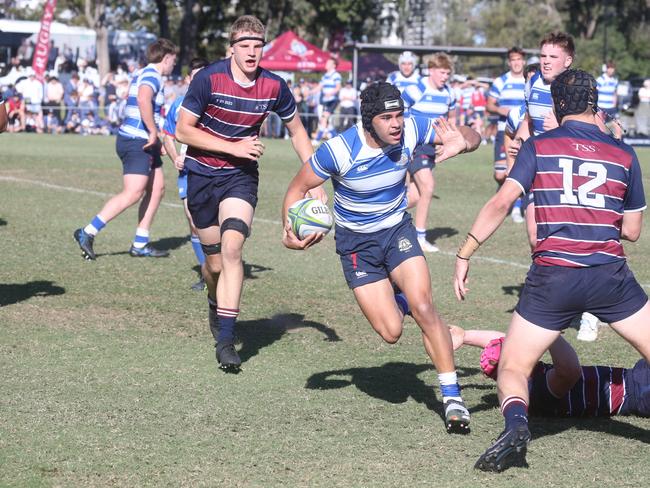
(229, 110)
(583, 182)
(601, 391)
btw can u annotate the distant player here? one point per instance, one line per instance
(407, 75)
(220, 120)
(139, 149)
(506, 93)
(330, 85)
(431, 98)
(375, 238)
(588, 195)
(607, 97)
(178, 158)
(565, 388)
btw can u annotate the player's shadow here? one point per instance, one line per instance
(250, 270)
(3, 222)
(543, 426)
(255, 335)
(512, 290)
(17, 292)
(393, 382)
(440, 232)
(164, 244)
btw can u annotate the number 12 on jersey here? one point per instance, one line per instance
(598, 174)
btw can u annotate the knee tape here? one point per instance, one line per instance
(211, 249)
(234, 223)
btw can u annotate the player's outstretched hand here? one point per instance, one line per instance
(453, 141)
(460, 278)
(248, 148)
(318, 193)
(291, 241)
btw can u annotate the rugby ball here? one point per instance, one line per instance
(308, 216)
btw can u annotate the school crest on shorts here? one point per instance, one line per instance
(404, 245)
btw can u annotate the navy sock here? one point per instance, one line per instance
(515, 411)
(227, 317)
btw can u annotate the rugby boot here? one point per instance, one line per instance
(508, 450)
(199, 285)
(147, 252)
(456, 417)
(85, 242)
(228, 358)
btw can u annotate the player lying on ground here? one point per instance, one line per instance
(588, 195)
(565, 388)
(375, 237)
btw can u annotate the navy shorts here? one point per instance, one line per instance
(370, 257)
(637, 390)
(135, 160)
(329, 107)
(554, 295)
(500, 152)
(424, 157)
(205, 193)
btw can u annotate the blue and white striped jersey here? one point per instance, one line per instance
(369, 183)
(133, 126)
(607, 91)
(508, 91)
(427, 101)
(515, 116)
(328, 85)
(396, 78)
(539, 101)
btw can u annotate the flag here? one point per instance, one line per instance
(42, 50)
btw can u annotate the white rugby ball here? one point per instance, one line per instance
(309, 216)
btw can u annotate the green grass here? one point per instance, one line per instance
(109, 377)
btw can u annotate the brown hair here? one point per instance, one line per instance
(247, 23)
(515, 50)
(157, 50)
(440, 60)
(561, 39)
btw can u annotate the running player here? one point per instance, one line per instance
(588, 196)
(178, 159)
(431, 98)
(593, 391)
(407, 75)
(330, 85)
(139, 149)
(220, 119)
(506, 93)
(375, 238)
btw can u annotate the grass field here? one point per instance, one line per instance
(109, 377)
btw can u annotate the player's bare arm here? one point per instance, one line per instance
(302, 145)
(493, 107)
(302, 183)
(145, 98)
(487, 222)
(631, 227)
(170, 147)
(186, 132)
(566, 368)
(3, 116)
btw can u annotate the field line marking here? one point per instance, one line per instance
(178, 205)
(96, 193)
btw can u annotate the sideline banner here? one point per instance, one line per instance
(42, 49)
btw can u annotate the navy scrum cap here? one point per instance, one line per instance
(573, 92)
(376, 99)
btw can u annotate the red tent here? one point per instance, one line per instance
(288, 52)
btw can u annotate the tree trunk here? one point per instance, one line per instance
(103, 60)
(188, 35)
(163, 19)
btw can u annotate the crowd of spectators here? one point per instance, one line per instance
(73, 97)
